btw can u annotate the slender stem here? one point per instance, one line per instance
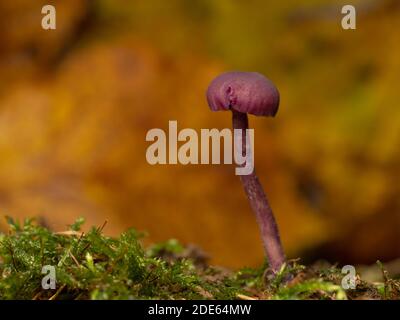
(259, 203)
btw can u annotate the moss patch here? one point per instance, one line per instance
(93, 266)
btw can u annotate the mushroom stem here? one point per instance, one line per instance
(259, 203)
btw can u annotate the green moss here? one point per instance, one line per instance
(94, 266)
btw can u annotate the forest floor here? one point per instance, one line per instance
(93, 266)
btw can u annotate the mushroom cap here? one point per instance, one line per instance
(246, 92)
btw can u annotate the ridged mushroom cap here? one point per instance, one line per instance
(246, 92)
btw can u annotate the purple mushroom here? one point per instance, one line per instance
(243, 93)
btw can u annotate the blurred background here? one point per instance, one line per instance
(76, 104)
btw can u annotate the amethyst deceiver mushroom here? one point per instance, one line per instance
(243, 93)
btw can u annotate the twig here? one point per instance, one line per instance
(54, 296)
(37, 295)
(244, 297)
(69, 233)
(73, 258)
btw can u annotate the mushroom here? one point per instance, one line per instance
(243, 93)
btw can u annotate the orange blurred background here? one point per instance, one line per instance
(76, 104)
